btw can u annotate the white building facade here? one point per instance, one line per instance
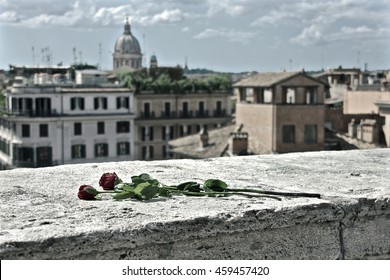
(51, 124)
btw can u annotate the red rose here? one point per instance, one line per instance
(108, 181)
(86, 192)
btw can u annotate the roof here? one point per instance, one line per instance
(190, 146)
(94, 89)
(92, 72)
(127, 43)
(266, 79)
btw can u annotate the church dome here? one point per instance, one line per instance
(127, 43)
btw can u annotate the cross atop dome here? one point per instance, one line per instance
(127, 27)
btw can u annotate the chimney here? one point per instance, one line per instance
(238, 143)
(204, 137)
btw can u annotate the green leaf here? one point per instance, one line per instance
(123, 195)
(145, 191)
(145, 177)
(189, 187)
(125, 187)
(137, 180)
(129, 187)
(214, 185)
(117, 181)
(164, 192)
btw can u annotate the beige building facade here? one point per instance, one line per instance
(363, 102)
(282, 112)
(164, 117)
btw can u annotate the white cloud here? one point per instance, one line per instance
(9, 16)
(231, 7)
(314, 35)
(186, 29)
(89, 13)
(167, 16)
(309, 35)
(228, 34)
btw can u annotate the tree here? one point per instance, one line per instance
(2, 102)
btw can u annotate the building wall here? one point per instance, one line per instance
(264, 121)
(385, 112)
(363, 102)
(60, 119)
(176, 120)
(299, 116)
(258, 122)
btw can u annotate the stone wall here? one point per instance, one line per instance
(42, 218)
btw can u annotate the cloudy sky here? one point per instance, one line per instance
(223, 35)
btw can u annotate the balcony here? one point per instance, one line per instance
(42, 218)
(34, 113)
(168, 115)
(186, 114)
(147, 115)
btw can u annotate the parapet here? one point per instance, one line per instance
(42, 218)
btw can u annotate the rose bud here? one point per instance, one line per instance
(87, 192)
(109, 180)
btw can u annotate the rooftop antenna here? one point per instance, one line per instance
(43, 56)
(185, 63)
(74, 56)
(358, 58)
(33, 54)
(290, 63)
(48, 56)
(81, 57)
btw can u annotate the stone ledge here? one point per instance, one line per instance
(42, 218)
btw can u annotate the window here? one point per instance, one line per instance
(311, 96)
(185, 112)
(147, 152)
(43, 130)
(123, 148)
(185, 130)
(44, 156)
(218, 110)
(146, 109)
(123, 127)
(147, 133)
(122, 102)
(267, 95)
(166, 153)
(249, 95)
(101, 150)
(25, 130)
(100, 128)
(201, 111)
(77, 129)
(310, 134)
(100, 103)
(167, 107)
(288, 134)
(23, 154)
(43, 106)
(78, 151)
(167, 132)
(77, 103)
(289, 96)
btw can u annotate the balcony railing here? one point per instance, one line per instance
(34, 113)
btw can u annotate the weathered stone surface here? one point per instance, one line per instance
(42, 218)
